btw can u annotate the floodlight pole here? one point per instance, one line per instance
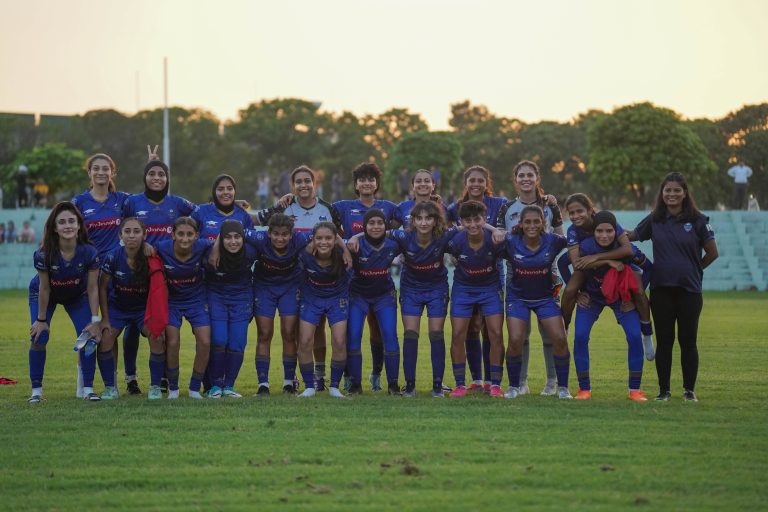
(166, 137)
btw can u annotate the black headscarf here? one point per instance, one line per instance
(604, 217)
(219, 206)
(228, 261)
(156, 195)
(373, 212)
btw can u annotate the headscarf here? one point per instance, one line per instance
(228, 261)
(222, 208)
(156, 195)
(373, 212)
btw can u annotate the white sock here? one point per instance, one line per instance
(195, 394)
(87, 391)
(334, 392)
(287, 382)
(309, 392)
(37, 391)
(173, 394)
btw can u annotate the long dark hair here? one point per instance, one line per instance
(488, 181)
(141, 265)
(50, 242)
(518, 229)
(527, 163)
(102, 156)
(337, 260)
(689, 212)
(432, 210)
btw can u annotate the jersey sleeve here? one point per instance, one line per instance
(109, 264)
(557, 216)
(704, 229)
(644, 229)
(301, 239)
(91, 258)
(39, 260)
(128, 210)
(558, 242)
(501, 218)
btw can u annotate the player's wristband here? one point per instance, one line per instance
(41, 319)
(95, 318)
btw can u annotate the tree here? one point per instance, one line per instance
(632, 149)
(424, 150)
(747, 134)
(384, 130)
(59, 166)
(715, 141)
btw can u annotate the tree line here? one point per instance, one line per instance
(616, 157)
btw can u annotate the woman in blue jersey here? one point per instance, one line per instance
(184, 258)
(324, 292)
(276, 279)
(478, 186)
(527, 181)
(230, 303)
(530, 255)
(683, 246)
(592, 302)
(123, 289)
(102, 206)
(372, 289)
(581, 213)
(67, 274)
(210, 216)
(423, 190)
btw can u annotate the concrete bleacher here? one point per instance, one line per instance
(16, 259)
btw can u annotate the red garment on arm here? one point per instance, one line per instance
(156, 314)
(619, 285)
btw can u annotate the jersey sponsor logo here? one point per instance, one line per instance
(104, 223)
(138, 290)
(277, 267)
(75, 281)
(320, 284)
(374, 272)
(182, 280)
(478, 271)
(532, 272)
(426, 267)
(357, 226)
(160, 229)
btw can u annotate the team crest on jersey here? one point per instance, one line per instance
(54, 267)
(518, 256)
(211, 223)
(141, 213)
(322, 218)
(687, 227)
(168, 267)
(463, 257)
(119, 274)
(363, 260)
(355, 211)
(88, 211)
(709, 227)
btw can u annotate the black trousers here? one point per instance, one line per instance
(672, 306)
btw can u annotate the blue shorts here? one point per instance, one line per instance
(270, 298)
(119, 318)
(335, 309)
(544, 308)
(385, 300)
(195, 313)
(489, 301)
(412, 302)
(230, 309)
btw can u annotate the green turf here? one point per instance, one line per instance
(382, 453)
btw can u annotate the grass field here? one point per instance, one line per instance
(384, 453)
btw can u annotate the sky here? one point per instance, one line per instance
(543, 60)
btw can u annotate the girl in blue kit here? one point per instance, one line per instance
(423, 189)
(324, 291)
(210, 216)
(230, 303)
(530, 255)
(276, 279)
(372, 289)
(123, 289)
(184, 258)
(478, 186)
(476, 289)
(590, 307)
(67, 274)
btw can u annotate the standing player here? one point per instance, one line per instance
(230, 304)
(680, 234)
(530, 287)
(529, 193)
(604, 240)
(210, 216)
(184, 258)
(67, 274)
(423, 188)
(476, 287)
(372, 289)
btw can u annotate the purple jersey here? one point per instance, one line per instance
(68, 279)
(209, 219)
(102, 219)
(595, 276)
(124, 292)
(234, 283)
(185, 278)
(371, 267)
(576, 234)
(273, 268)
(403, 212)
(352, 211)
(158, 218)
(319, 281)
(475, 268)
(423, 267)
(492, 204)
(529, 275)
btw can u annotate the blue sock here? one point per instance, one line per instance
(130, 348)
(289, 366)
(88, 366)
(355, 366)
(308, 374)
(459, 373)
(635, 379)
(195, 381)
(377, 356)
(107, 368)
(337, 370)
(392, 365)
(496, 373)
(437, 353)
(646, 328)
(584, 382)
(234, 363)
(562, 367)
(262, 368)
(36, 364)
(514, 366)
(172, 374)
(486, 360)
(474, 356)
(216, 365)
(156, 368)
(410, 355)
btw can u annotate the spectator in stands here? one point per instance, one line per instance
(2, 232)
(740, 174)
(40, 193)
(10, 232)
(27, 233)
(22, 197)
(263, 191)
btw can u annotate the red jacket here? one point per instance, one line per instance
(156, 315)
(619, 285)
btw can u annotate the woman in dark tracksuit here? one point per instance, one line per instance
(680, 233)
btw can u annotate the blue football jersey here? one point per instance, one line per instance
(423, 267)
(371, 264)
(236, 283)
(529, 273)
(492, 204)
(102, 219)
(477, 268)
(352, 211)
(272, 268)
(185, 279)
(319, 281)
(124, 292)
(158, 218)
(209, 219)
(68, 279)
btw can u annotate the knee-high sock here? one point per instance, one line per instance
(195, 381)
(337, 370)
(217, 365)
(172, 374)
(410, 355)
(459, 373)
(355, 366)
(514, 363)
(474, 356)
(307, 374)
(88, 365)
(486, 360)
(106, 362)
(437, 352)
(562, 367)
(130, 349)
(156, 368)
(234, 361)
(525, 357)
(36, 364)
(262, 368)
(289, 367)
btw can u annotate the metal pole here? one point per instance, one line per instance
(166, 137)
